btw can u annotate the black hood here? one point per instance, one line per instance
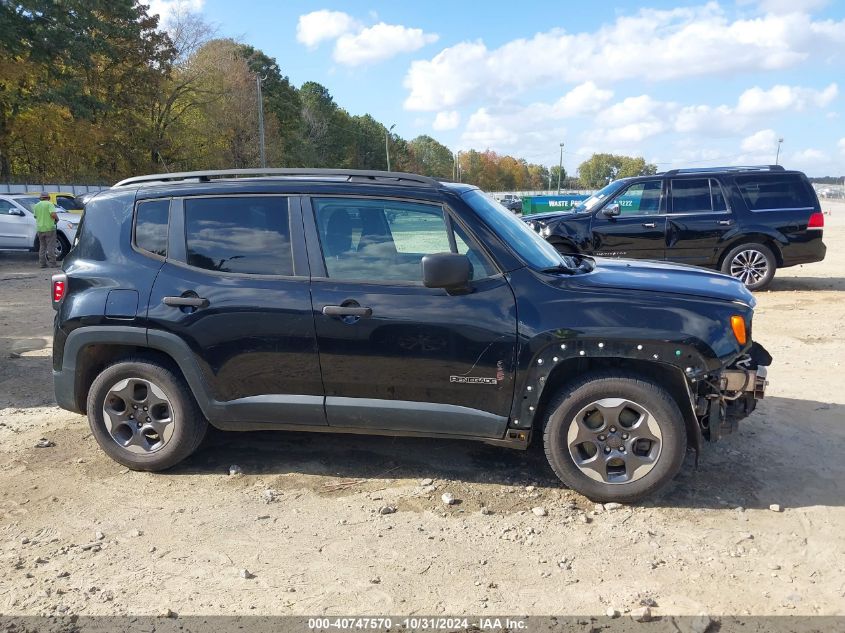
(656, 276)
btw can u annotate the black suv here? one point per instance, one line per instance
(388, 303)
(744, 221)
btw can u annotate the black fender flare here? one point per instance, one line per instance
(65, 379)
(680, 363)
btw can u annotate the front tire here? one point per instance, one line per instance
(753, 264)
(144, 416)
(614, 437)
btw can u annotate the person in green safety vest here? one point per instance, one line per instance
(45, 225)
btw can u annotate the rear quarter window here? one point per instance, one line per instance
(768, 192)
(151, 220)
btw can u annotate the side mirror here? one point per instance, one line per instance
(17, 212)
(612, 210)
(450, 271)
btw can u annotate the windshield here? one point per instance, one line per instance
(27, 201)
(602, 194)
(532, 248)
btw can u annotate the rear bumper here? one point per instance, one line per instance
(807, 252)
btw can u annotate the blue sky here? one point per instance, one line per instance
(681, 83)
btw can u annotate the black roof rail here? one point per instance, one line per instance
(397, 177)
(707, 170)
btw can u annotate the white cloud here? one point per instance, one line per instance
(507, 126)
(758, 101)
(752, 105)
(761, 142)
(842, 145)
(167, 10)
(379, 42)
(651, 45)
(446, 120)
(318, 26)
(809, 156)
(791, 6)
(629, 122)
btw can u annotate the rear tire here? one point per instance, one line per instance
(753, 264)
(62, 247)
(614, 437)
(144, 416)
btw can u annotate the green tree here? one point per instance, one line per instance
(283, 108)
(432, 157)
(600, 169)
(100, 60)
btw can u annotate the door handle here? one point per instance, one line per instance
(649, 225)
(726, 222)
(186, 302)
(353, 311)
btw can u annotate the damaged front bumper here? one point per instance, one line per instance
(726, 397)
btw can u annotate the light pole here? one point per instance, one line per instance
(386, 146)
(777, 155)
(560, 169)
(258, 80)
(458, 165)
(550, 180)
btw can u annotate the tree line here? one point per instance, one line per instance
(95, 91)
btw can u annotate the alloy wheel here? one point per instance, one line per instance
(138, 415)
(614, 441)
(749, 266)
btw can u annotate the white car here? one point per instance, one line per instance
(17, 225)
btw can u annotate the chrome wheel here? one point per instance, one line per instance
(614, 441)
(138, 415)
(750, 266)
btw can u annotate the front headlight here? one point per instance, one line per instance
(71, 225)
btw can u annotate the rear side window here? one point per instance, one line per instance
(247, 235)
(697, 195)
(151, 220)
(786, 191)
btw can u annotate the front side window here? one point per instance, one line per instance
(385, 240)
(151, 219)
(27, 202)
(247, 235)
(697, 195)
(762, 192)
(641, 198)
(7, 208)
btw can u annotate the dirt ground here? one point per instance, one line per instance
(81, 534)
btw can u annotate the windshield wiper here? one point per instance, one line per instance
(580, 263)
(560, 268)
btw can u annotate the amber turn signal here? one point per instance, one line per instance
(738, 326)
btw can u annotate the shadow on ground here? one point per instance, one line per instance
(787, 452)
(786, 284)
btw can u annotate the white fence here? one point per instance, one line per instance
(49, 187)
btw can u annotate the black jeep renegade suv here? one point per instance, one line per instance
(744, 221)
(388, 303)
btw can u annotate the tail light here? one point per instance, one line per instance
(816, 221)
(59, 288)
